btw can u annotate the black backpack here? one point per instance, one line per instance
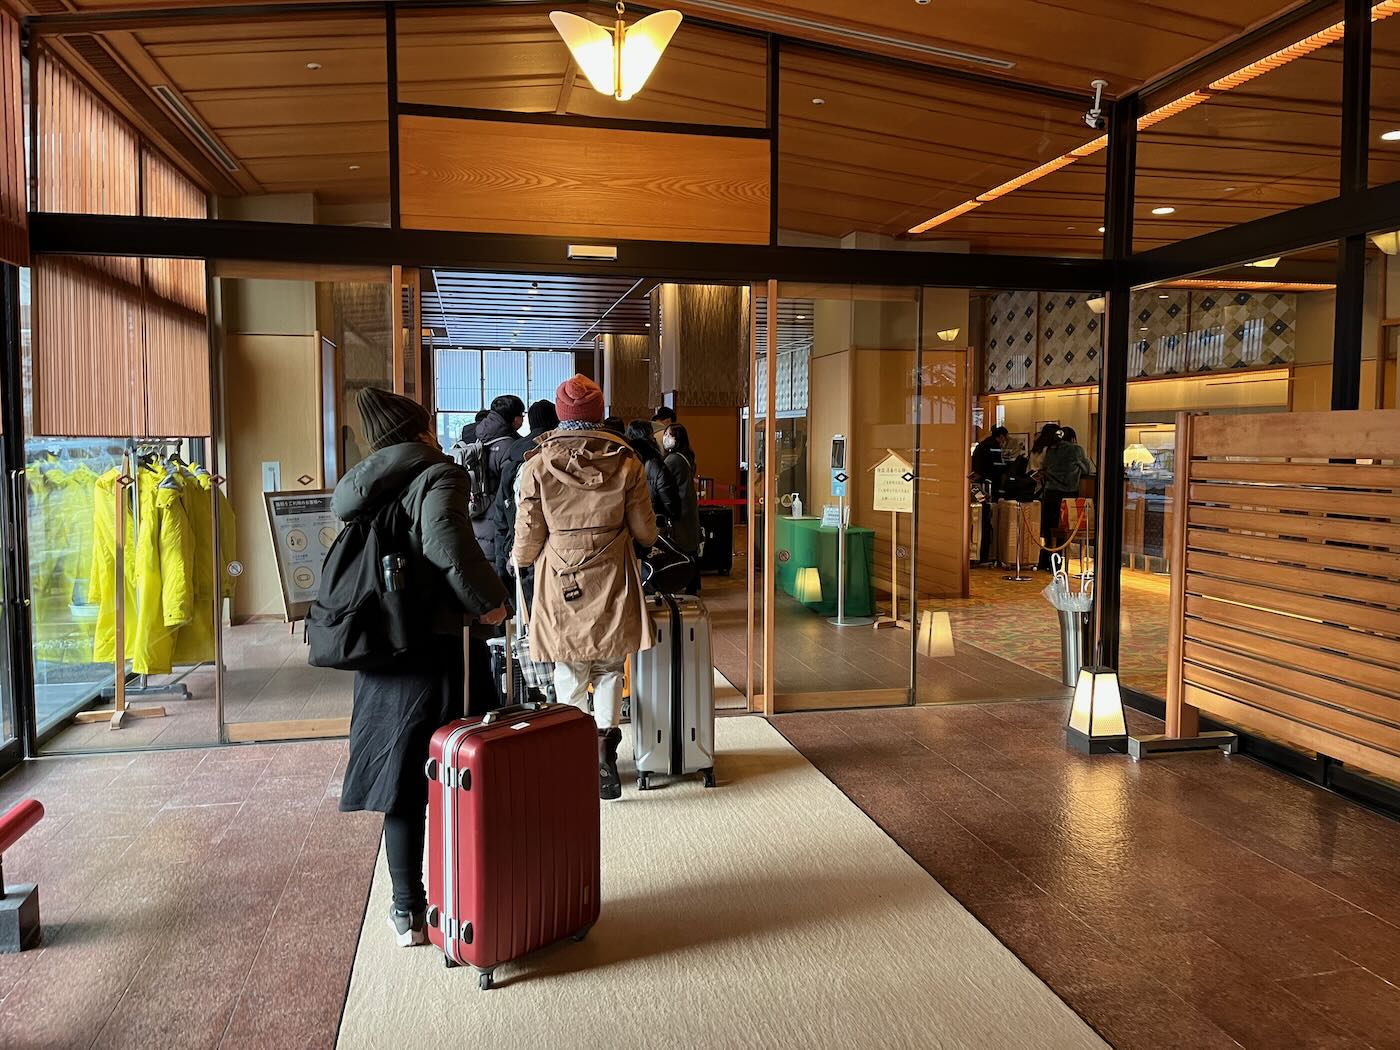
(476, 461)
(356, 622)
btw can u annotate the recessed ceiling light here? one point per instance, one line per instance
(1164, 297)
(1163, 211)
(819, 102)
(1391, 136)
(534, 287)
(1265, 264)
(922, 3)
(313, 65)
(1069, 227)
(1143, 328)
(802, 317)
(354, 167)
(1101, 229)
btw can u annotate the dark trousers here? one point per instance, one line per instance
(405, 824)
(1050, 503)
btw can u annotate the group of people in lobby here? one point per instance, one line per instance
(1050, 472)
(573, 501)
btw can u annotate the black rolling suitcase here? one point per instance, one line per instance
(716, 540)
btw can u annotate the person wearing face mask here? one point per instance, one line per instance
(398, 707)
(685, 526)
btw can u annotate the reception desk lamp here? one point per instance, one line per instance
(1096, 723)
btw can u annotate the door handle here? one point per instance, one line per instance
(19, 523)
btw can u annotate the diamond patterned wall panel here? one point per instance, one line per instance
(1071, 340)
(1242, 330)
(1161, 322)
(1012, 346)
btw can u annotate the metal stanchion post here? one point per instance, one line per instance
(841, 620)
(1018, 578)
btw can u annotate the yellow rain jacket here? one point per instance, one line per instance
(159, 570)
(195, 642)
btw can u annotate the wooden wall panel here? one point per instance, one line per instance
(14, 190)
(88, 156)
(176, 370)
(1285, 589)
(87, 348)
(585, 183)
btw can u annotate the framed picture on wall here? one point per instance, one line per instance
(1041, 424)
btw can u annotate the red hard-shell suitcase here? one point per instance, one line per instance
(513, 834)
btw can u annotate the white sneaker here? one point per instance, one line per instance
(408, 929)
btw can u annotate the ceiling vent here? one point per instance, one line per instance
(193, 125)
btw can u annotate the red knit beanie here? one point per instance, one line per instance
(579, 399)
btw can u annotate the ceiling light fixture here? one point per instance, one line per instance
(1301, 49)
(1098, 304)
(313, 66)
(819, 102)
(1164, 210)
(617, 62)
(1265, 264)
(1252, 286)
(354, 167)
(1387, 242)
(1102, 229)
(1391, 136)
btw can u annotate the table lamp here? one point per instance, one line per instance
(1139, 456)
(809, 585)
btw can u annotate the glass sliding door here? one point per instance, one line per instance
(840, 427)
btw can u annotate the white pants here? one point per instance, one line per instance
(571, 682)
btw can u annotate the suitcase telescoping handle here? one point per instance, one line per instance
(510, 711)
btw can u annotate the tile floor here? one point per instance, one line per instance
(1191, 901)
(192, 899)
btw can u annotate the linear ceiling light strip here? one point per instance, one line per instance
(1307, 46)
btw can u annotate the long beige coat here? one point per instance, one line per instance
(584, 504)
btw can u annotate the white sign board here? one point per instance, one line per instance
(831, 516)
(894, 485)
(303, 529)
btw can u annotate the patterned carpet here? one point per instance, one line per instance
(1014, 621)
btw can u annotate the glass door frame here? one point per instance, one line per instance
(763, 694)
(17, 682)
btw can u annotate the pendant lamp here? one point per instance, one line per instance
(617, 61)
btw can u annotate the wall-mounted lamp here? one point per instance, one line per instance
(809, 585)
(1265, 264)
(618, 61)
(936, 634)
(1096, 723)
(949, 334)
(1097, 304)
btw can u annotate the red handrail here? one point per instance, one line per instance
(21, 817)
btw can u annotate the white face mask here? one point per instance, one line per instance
(668, 443)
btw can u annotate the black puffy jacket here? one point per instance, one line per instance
(496, 435)
(503, 510)
(462, 583)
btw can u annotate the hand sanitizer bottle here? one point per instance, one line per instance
(796, 505)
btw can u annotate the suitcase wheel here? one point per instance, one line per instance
(449, 963)
(709, 775)
(484, 981)
(581, 935)
(643, 781)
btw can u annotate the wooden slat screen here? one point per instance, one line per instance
(14, 207)
(87, 154)
(121, 346)
(1286, 580)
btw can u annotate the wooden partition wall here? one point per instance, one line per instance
(1286, 581)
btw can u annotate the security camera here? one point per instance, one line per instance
(1095, 118)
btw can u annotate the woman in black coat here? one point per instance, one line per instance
(680, 464)
(665, 496)
(398, 708)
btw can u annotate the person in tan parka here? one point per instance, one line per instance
(584, 507)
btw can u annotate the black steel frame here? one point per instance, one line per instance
(1348, 218)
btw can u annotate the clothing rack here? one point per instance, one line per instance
(120, 709)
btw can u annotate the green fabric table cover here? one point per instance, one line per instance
(802, 543)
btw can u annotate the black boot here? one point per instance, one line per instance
(609, 781)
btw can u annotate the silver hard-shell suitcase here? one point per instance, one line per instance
(673, 694)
